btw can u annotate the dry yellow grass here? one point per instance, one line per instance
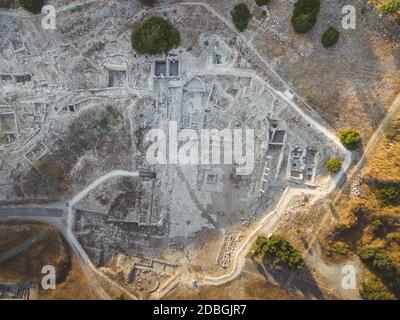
(13, 233)
(382, 166)
(75, 287)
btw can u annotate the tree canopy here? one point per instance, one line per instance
(241, 16)
(33, 6)
(280, 251)
(333, 165)
(155, 36)
(305, 14)
(330, 37)
(350, 138)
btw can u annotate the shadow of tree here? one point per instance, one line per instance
(294, 280)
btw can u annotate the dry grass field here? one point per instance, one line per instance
(51, 250)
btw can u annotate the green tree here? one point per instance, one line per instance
(339, 247)
(388, 194)
(33, 6)
(377, 226)
(305, 14)
(241, 16)
(395, 236)
(375, 290)
(350, 138)
(330, 37)
(377, 257)
(333, 165)
(302, 23)
(390, 6)
(155, 36)
(280, 251)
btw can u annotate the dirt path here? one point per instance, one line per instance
(370, 146)
(270, 220)
(333, 272)
(46, 215)
(248, 43)
(22, 247)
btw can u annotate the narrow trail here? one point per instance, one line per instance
(93, 185)
(99, 181)
(369, 148)
(69, 235)
(248, 43)
(65, 226)
(270, 219)
(372, 142)
(266, 224)
(5, 256)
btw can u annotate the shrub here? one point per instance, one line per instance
(305, 15)
(388, 194)
(241, 16)
(333, 165)
(375, 290)
(376, 226)
(104, 123)
(34, 6)
(262, 2)
(111, 114)
(395, 236)
(359, 210)
(377, 257)
(390, 6)
(280, 251)
(302, 23)
(341, 227)
(155, 36)
(364, 9)
(330, 37)
(339, 247)
(350, 138)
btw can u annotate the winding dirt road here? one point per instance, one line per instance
(270, 219)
